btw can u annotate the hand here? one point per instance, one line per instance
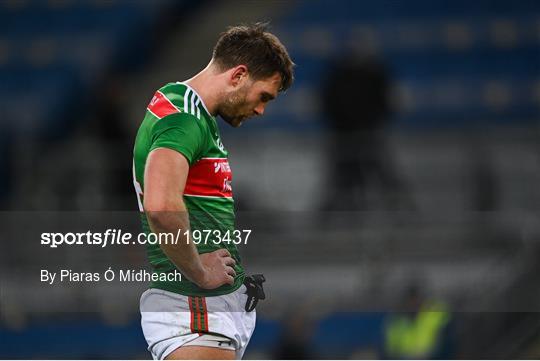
(218, 269)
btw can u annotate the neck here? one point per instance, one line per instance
(206, 84)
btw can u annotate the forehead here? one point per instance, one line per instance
(269, 85)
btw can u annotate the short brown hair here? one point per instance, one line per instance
(259, 50)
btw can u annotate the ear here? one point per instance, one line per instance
(238, 75)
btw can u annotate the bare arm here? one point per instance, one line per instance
(164, 181)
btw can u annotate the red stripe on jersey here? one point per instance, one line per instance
(160, 106)
(210, 177)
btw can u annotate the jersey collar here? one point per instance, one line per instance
(197, 94)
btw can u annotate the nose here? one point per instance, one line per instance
(259, 110)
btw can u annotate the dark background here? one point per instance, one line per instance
(398, 175)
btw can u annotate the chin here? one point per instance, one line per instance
(234, 122)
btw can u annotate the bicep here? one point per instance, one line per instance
(165, 177)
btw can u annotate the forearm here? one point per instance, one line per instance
(184, 253)
(165, 177)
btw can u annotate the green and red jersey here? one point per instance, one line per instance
(176, 118)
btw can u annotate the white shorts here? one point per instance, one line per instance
(170, 320)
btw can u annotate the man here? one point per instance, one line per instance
(183, 181)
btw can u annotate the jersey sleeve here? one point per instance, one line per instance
(180, 132)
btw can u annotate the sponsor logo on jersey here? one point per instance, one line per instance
(227, 185)
(220, 144)
(210, 177)
(222, 167)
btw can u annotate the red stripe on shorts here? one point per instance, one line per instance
(197, 307)
(203, 300)
(192, 314)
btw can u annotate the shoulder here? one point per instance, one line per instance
(181, 132)
(185, 122)
(175, 98)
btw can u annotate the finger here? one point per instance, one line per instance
(229, 261)
(223, 252)
(230, 280)
(230, 271)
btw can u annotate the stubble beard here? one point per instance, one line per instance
(230, 109)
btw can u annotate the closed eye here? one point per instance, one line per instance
(266, 97)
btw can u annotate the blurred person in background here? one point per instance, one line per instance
(295, 338)
(5, 163)
(420, 331)
(183, 182)
(356, 101)
(109, 128)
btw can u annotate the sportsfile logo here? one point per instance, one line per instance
(118, 237)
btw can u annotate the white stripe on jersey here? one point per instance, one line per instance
(198, 109)
(186, 102)
(193, 104)
(196, 94)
